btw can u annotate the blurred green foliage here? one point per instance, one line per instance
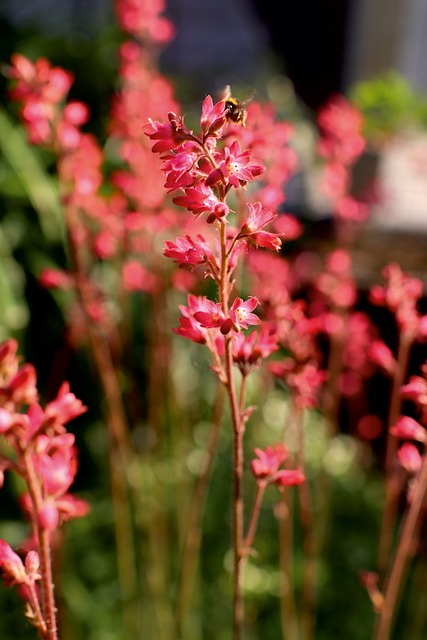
(389, 104)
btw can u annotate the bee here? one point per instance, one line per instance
(234, 109)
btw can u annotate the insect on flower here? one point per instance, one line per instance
(234, 109)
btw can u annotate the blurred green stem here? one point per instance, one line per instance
(193, 533)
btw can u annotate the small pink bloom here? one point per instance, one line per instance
(235, 167)
(169, 135)
(241, 313)
(416, 390)
(409, 457)
(213, 117)
(186, 253)
(382, 356)
(200, 199)
(407, 428)
(289, 477)
(252, 229)
(248, 350)
(64, 408)
(12, 566)
(210, 314)
(269, 461)
(56, 279)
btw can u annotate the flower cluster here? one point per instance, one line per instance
(43, 453)
(401, 294)
(341, 144)
(266, 468)
(205, 170)
(410, 430)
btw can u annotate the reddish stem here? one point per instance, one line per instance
(395, 577)
(47, 598)
(393, 484)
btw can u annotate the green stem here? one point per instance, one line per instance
(193, 536)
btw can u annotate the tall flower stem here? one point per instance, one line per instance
(49, 632)
(288, 610)
(237, 508)
(121, 453)
(309, 543)
(393, 482)
(394, 579)
(237, 458)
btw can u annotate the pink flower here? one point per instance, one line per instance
(409, 457)
(189, 327)
(169, 135)
(56, 279)
(200, 199)
(382, 356)
(289, 477)
(258, 218)
(234, 167)
(64, 408)
(210, 314)
(248, 350)
(415, 390)
(186, 253)
(407, 428)
(241, 313)
(213, 117)
(269, 461)
(12, 566)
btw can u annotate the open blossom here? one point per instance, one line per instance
(189, 327)
(409, 457)
(269, 460)
(241, 313)
(252, 229)
(210, 315)
(406, 428)
(266, 467)
(168, 135)
(248, 350)
(234, 167)
(186, 253)
(200, 199)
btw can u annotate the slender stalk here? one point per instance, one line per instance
(309, 543)
(238, 533)
(122, 456)
(238, 430)
(393, 483)
(288, 610)
(192, 539)
(260, 489)
(49, 632)
(394, 579)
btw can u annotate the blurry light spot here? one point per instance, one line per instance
(340, 455)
